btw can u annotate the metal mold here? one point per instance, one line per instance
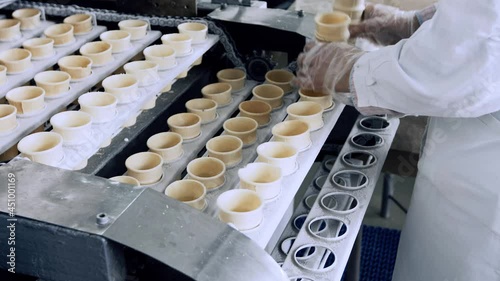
(315, 258)
(287, 244)
(339, 202)
(328, 228)
(374, 123)
(367, 140)
(298, 222)
(350, 180)
(309, 201)
(328, 164)
(359, 159)
(320, 181)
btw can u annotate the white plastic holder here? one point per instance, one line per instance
(102, 132)
(25, 35)
(18, 80)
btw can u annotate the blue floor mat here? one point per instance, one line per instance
(379, 247)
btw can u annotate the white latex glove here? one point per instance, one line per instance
(326, 66)
(385, 25)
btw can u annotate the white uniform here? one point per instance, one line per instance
(449, 70)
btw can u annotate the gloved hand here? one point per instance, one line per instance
(326, 66)
(385, 25)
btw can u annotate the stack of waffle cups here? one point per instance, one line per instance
(353, 8)
(332, 27)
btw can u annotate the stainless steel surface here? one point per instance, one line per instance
(26, 34)
(65, 198)
(274, 18)
(193, 243)
(162, 228)
(55, 253)
(53, 106)
(353, 220)
(17, 80)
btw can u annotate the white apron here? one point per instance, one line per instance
(450, 70)
(452, 230)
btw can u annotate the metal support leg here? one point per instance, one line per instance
(353, 267)
(387, 194)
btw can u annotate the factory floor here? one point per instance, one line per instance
(403, 167)
(403, 189)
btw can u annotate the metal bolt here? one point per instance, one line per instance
(300, 13)
(102, 219)
(223, 6)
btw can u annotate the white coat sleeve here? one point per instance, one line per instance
(450, 67)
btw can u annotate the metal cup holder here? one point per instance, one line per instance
(309, 201)
(359, 159)
(339, 202)
(350, 180)
(328, 164)
(374, 124)
(315, 258)
(299, 220)
(287, 244)
(320, 181)
(328, 228)
(367, 140)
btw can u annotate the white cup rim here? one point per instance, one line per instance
(198, 183)
(82, 100)
(275, 146)
(318, 109)
(6, 55)
(288, 123)
(13, 94)
(105, 35)
(18, 14)
(42, 77)
(14, 23)
(219, 138)
(129, 165)
(40, 134)
(111, 80)
(54, 120)
(195, 161)
(11, 107)
(163, 134)
(74, 19)
(234, 191)
(65, 62)
(173, 118)
(130, 66)
(184, 26)
(242, 74)
(125, 24)
(50, 31)
(247, 119)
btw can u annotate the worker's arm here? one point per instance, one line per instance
(449, 67)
